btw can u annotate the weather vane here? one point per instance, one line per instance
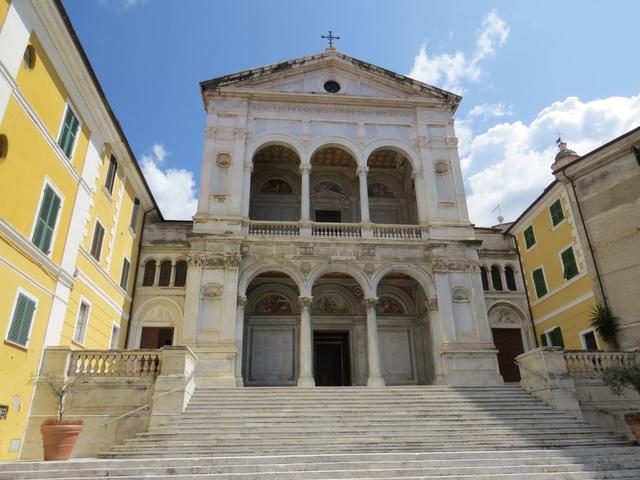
(331, 37)
(559, 140)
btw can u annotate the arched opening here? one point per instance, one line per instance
(275, 184)
(180, 279)
(495, 278)
(485, 278)
(149, 273)
(334, 186)
(165, 273)
(510, 278)
(390, 187)
(338, 324)
(271, 331)
(404, 334)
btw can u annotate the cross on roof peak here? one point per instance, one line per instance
(331, 37)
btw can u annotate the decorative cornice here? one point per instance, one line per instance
(444, 266)
(230, 260)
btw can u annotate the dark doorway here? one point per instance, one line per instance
(156, 337)
(508, 341)
(333, 216)
(331, 359)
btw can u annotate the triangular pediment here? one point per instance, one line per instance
(309, 75)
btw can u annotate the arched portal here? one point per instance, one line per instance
(391, 189)
(404, 333)
(334, 186)
(271, 331)
(275, 184)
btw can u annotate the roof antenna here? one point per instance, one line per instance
(500, 217)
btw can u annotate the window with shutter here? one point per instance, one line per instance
(557, 215)
(529, 237)
(111, 174)
(46, 221)
(570, 267)
(81, 324)
(543, 340)
(21, 320)
(134, 214)
(539, 283)
(96, 244)
(115, 337)
(124, 277)
(556, 337)
(68, 132)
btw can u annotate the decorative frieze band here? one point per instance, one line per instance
(231, 260)
(444, 266)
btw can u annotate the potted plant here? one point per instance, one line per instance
(59, 435)
(620, 377)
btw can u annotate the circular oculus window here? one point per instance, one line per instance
(332, 86)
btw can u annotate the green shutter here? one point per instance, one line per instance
(556, 337)
(46, 222)
(557, 215)
(539, 283)
(543, 340)
(68, 132)
(569, 263)
(21, 321)
(134, 214)
(529, 237)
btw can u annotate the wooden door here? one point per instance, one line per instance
(156, 337)
(508, 341)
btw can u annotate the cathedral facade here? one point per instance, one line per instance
(332, 244)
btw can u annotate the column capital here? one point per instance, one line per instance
(431, 304)
(248, 166)
(305, 302)
(361, 171)
(417, 174)
(305, 168)
(242, 301)
(370, 302)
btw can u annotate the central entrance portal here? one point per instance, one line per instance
(331, 358)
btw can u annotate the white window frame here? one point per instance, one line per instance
(99, 259)
(524, 238)
(582, 340)
(126, 287)
(546, 283)
(564, 214)
(34, 299)
(34, 224)
(116, 325)
(75, 140)
(86, 327)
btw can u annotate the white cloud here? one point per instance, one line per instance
(173, 188)
(510, 163)
(450, 70)
(491, 110)
(120, 5)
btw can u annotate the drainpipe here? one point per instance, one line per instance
(526, 292)
(135, 276)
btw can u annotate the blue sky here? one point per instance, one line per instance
(525, 70)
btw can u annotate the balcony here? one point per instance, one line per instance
(320, 230)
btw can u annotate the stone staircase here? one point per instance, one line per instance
(427, 432)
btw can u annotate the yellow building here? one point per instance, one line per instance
(72, 206)
(559, 285)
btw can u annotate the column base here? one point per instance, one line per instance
(306, 382)
(239, 382)
(375, 381)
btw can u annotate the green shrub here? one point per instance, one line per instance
(618, 378)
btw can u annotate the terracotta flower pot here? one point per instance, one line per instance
(58, 439)
(634, 425)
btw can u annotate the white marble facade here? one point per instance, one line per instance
(331, 234)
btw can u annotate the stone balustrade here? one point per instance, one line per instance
(333, 230)
(114, 363)
(591, 364)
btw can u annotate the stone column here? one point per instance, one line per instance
(503, 278)
(305, 170)
(364, 194)
(192, 300)
(156, 274)
(305, 375)
(373, 349)
(246, 188)
(241, 304)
